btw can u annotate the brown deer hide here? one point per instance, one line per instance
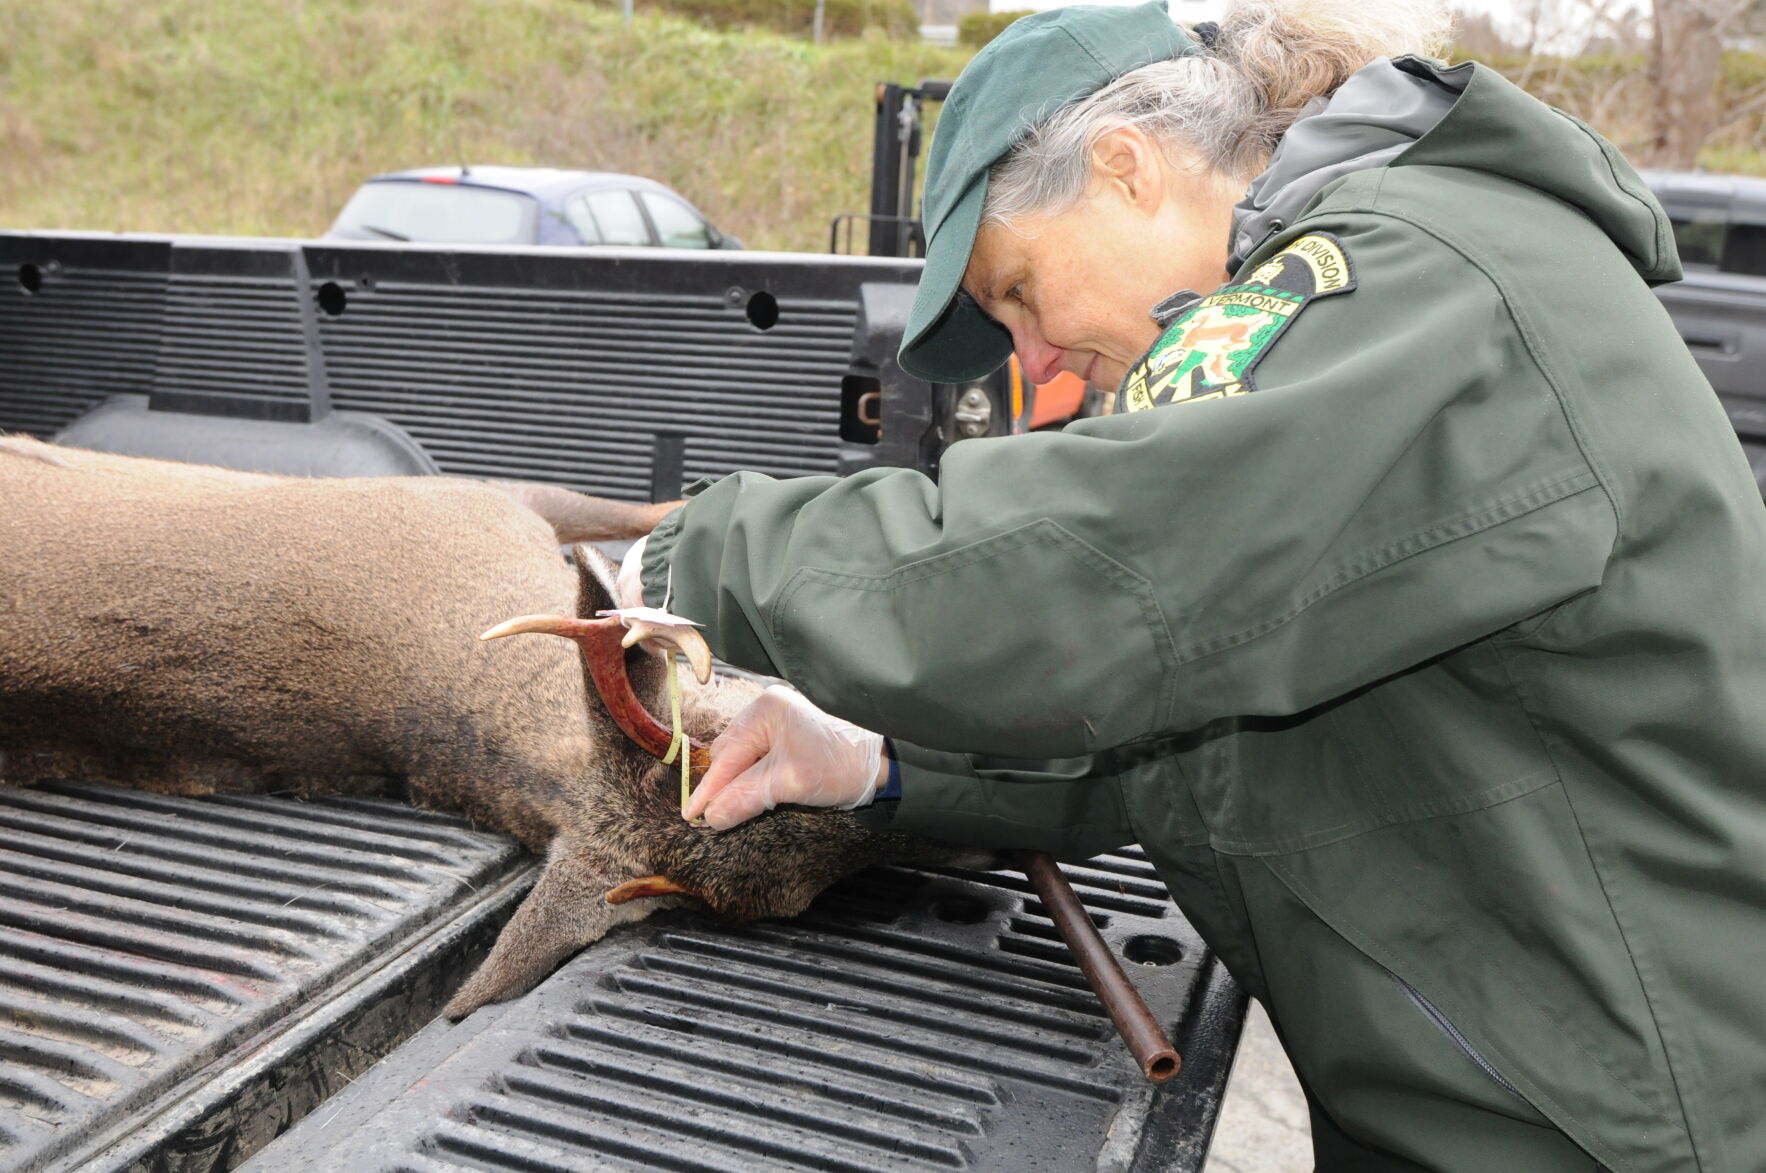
(188, 629)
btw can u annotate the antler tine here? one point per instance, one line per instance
(685, 640)
(567, 626)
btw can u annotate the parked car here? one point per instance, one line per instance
(1720, 308)
(524, 205)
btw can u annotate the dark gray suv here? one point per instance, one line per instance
(524, 205)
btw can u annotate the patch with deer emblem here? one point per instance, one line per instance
(1212, 351)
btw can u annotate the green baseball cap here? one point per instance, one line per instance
(1019, 79)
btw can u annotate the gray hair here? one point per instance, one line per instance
(1223, 111)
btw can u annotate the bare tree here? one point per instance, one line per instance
(1662, 115)
(1554, 39)
(1753, 20)
(1685, 60)
(1477, 36)
(1552, 33)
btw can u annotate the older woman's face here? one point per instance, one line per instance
(1076, 289)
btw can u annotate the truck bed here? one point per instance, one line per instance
(184, 979)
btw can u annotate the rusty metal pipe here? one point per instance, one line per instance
(1146, 1039)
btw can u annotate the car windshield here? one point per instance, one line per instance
(447, 212)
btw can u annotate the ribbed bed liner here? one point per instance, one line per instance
(910, 1020)
(183, 979)
(163, 958)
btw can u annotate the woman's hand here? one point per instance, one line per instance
(782, 749)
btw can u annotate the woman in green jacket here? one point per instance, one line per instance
(1410, 610)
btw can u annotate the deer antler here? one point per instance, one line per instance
(603, 643)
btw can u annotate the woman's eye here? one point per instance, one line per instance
(1016, 292)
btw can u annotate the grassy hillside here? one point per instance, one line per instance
(240, 116)
(237, 116)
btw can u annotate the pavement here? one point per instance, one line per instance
(1263, 1120)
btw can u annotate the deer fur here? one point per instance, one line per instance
(189, 629)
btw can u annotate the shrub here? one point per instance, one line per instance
(840, 18)
(978, 28)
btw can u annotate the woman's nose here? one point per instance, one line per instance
(1040, 361)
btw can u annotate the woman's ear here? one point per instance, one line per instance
(1125, 161)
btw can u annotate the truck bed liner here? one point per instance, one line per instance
(164, 961)
(183, 979)
(910, 1020)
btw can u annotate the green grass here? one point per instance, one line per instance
(246, 117)
(236, 117)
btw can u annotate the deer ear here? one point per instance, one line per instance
(596, 591)
(566, 910)
(596, 576)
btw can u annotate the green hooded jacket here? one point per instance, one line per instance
(1422, 645)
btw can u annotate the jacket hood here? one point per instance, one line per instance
(1415, 112)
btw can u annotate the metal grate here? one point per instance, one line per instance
(909, 1021)
(572, 387)
(145, 938)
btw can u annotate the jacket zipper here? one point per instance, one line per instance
(1452, 1032)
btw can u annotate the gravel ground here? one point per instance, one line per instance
(1263, 1124)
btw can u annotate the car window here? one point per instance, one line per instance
(1699, 238)
(618, 217)
(583, 220)
(1745, 250)
(677, 224)
(445, 212)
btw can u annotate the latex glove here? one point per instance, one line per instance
(783, 749)
(630, 583)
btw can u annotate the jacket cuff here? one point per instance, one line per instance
(929, 783)
(1062, 807)
(890, 791)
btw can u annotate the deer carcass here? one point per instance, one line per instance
(189, 629)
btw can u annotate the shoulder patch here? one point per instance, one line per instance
(1212, 350)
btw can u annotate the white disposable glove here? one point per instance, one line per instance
(630, 583)
(782, 749)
